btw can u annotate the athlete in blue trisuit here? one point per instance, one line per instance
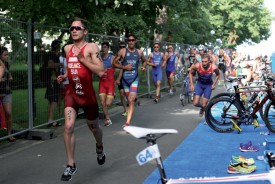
(204, 85)
(155, 60)
(130, 57)
(170, 61)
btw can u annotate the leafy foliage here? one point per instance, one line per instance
(249, 19)
(185, 21)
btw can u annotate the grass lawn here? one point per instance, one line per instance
(20, 109)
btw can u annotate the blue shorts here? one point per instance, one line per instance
(157, 76)
(132, 87)
(203, 89)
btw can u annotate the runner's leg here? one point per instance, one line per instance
(69, 138)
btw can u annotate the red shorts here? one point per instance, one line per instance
(107, 87)
(91, 110)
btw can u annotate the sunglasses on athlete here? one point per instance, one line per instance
(77, 28)
(156, 46)
(131, 40)
(122, 46)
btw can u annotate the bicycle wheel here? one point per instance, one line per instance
(226, 94)
(262, 111)
(218, 114)
(182, 94)
(269, 115)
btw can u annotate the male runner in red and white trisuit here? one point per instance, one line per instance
(83, 60)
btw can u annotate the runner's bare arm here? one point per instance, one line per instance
(61, 78)
(119, 76)
(2, 69)
(193, 70)
(149, 61)
(143, 59)
(217, 73)
(112, 60)
(178, 63)
(119, 57)
(92, 59)
(165, 59)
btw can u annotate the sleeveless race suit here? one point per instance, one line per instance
(204, 83)
(80, 92)
(156, 71)
(170, 67)
(130, 79)
(107, 81)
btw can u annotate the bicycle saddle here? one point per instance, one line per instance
(232, 78)
(139, 132)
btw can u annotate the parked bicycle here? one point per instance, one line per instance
(231, 92)
(226, 114)
(152, 153)
(186, 96)
(269, 115)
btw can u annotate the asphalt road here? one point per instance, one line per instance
(43, 162)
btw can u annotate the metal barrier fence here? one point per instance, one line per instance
(27, 43)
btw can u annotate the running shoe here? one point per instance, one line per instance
(182, 97)
(241, 159)
(56, 124)
(240, 168)
(201, 112)
(108, 122)
(125, 124)
(124, 114)
(101, 157)
(192, 96)
(247, 147)
(171, 92)
(69, 171)
(156, 100)
(256, 123)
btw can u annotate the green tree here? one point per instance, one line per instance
(240, 21)
(182, 21)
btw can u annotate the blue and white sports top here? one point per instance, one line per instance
(171, 63)
(157, 59)
(133, 59)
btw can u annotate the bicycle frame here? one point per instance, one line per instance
(258, 106)
(151, 139)
(186, 94)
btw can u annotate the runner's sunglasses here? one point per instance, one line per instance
(77, 28)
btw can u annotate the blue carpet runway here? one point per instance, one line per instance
(206, 153)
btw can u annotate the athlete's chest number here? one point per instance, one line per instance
(148, 154)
